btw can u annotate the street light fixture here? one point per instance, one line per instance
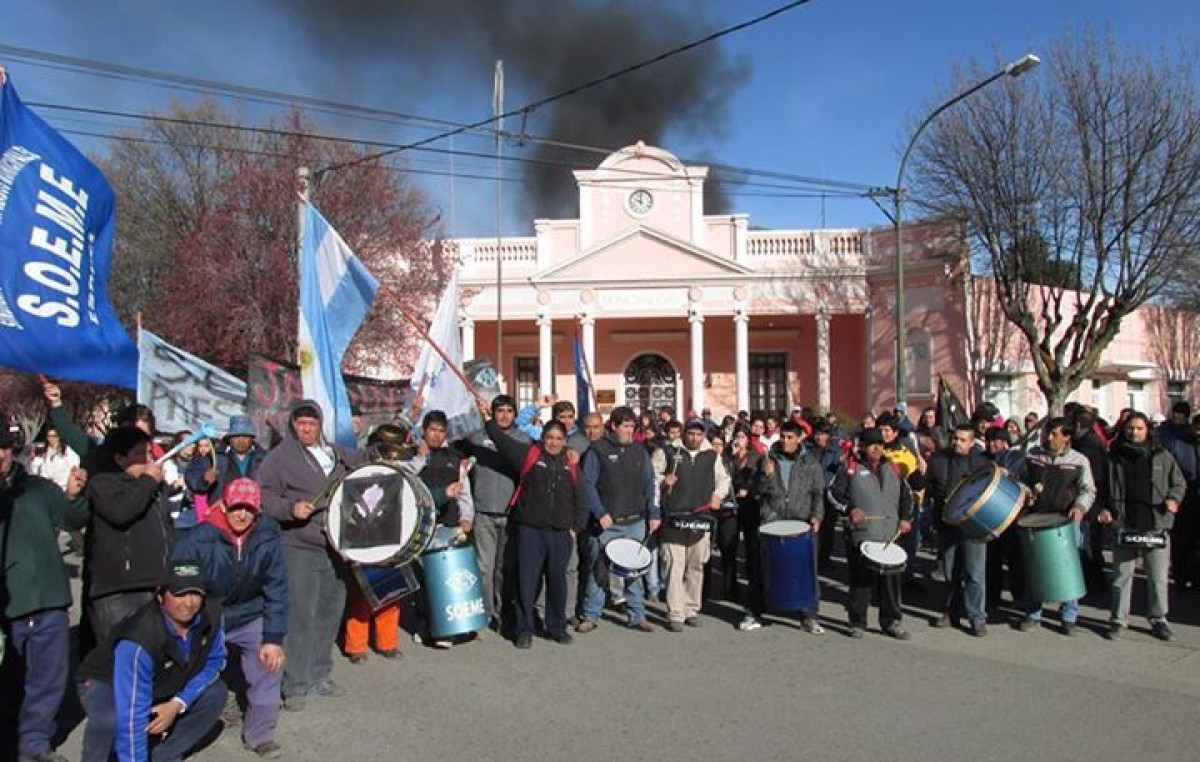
(1014, 69)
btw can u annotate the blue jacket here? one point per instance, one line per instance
(250, 581)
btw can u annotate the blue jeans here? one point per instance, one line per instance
(42, 647)
(189, 729)
(1068, 610)
(635, 597)
(964, 564)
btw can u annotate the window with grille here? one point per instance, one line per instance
(768, 382)
(525, 376)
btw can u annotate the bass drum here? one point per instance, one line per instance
(382, 515)
(984, 504)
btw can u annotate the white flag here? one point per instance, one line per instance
(439, 385)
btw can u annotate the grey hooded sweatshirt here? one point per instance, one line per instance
(291, 474)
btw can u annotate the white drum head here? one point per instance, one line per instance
(884, 554)
(785, 528)
(379, 553)
(628, 553)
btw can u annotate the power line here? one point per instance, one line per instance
(97, 67)
(277, 132)
(530, 107)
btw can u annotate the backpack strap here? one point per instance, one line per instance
(531, 459)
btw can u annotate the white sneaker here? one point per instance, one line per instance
(749, 623)
(812, 626)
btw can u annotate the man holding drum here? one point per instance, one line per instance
(291, 476)
(1060, 480)
(618, 484)
(691, 491)
(964, 561)
(793, 489)
(1145, 488)
(879, 504)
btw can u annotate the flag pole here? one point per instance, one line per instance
(587, 368)
(433, 344)
(302, 189)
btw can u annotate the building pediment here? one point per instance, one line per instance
(642, 253)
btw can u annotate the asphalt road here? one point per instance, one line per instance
(714, 693)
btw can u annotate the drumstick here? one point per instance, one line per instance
(894, 538)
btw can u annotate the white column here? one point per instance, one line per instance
(823, 372)
(679, 395)
(587, 326)
(741, 351)
(467, 325)
(545, 353)
(696, 321)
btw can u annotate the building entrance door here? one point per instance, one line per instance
(650, 383)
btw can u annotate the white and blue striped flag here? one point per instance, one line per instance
(336, 291)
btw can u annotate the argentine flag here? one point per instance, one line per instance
(336, 291)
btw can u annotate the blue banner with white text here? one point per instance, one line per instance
(56, 229)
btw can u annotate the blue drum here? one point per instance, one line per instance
(984, 504)
(455, 590)
(789, 566)
(383, 585)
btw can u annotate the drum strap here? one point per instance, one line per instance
(531, 459)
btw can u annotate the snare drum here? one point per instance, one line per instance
(382, 585)
(984, 504)
(381, 515)
(628, 558)
(884, 557)
(789, 566)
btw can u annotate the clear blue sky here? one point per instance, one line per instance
(833, 86)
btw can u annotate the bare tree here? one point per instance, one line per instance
(1174, 338)
(1098, 161)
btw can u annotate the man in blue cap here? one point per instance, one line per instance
(240, 457)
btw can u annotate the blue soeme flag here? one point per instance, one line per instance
(336, 291)
(583, 382)
(56, 228)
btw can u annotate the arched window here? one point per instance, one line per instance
(919, 359)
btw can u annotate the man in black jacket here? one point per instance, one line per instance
(129, 535)
(964, 562)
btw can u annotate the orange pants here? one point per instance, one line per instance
(358, 624)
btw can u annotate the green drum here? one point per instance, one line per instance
(1051, 558)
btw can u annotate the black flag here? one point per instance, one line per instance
(950, 410)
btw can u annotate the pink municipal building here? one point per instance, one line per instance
(674, 307)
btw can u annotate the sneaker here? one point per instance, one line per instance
(979, 629)
(1161, 630)
(524, 641)
(692, 621)
(357, 658)
(563, 638)
(642, 626)
(1114, 631)
(941, 622)
(294, 703)
(268, 750)
(1070, 629)
(897, 631)
(391, 653)
(674, 626)
(812, 626)
(586, 625)
(749, 623)
(855, 632)
(327, 688)
(1028, 623)
(442, 644)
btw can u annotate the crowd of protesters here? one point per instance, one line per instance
(218, 549)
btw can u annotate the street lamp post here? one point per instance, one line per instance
(1014, 69)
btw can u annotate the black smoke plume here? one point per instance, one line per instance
(549, 46)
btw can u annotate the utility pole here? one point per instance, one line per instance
(497, 111)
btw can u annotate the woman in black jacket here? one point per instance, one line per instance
(548, 510)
